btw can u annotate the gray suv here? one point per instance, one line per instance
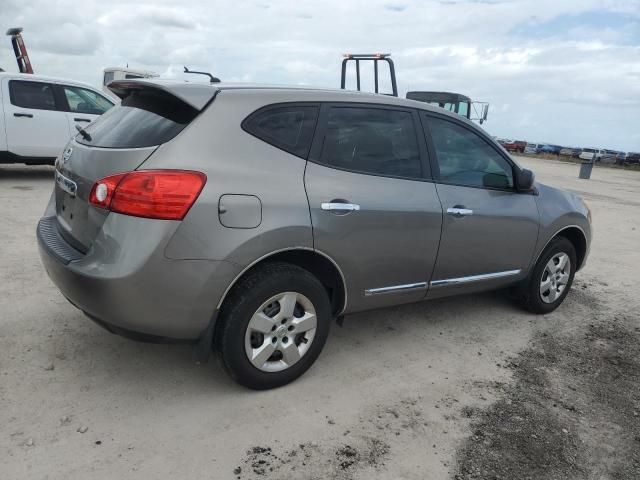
(244, 218)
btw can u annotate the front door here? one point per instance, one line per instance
(373, 208)
(489, 230)
(35, 125)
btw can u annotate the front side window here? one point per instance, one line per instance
(464, 158)
(372, 140)
(289, 128)
(82, 100)
(36, 95)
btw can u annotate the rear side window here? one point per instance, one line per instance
(36, 95)
(372, 140)
(289, 128)
(145, 118)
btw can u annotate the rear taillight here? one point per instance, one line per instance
(161, 194)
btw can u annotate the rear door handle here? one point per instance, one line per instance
(339, 207)
(81, 120)
(459, 211)
(26, 115)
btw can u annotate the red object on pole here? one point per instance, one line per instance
(20, 50)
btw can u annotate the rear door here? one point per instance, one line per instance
(373, 207)
(35, 124)
(82, 105)
(489, 229)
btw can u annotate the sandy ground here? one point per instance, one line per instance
(471, 387)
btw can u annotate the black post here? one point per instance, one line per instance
(358, 74)
(375, 74)
(344, 73)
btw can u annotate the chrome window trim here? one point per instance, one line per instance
(474, 278)
(396, 289)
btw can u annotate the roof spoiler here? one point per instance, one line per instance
(196, 95)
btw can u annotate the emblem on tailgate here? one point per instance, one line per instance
(67, 154)
(66, 184)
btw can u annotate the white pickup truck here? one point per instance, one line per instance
(39, 114)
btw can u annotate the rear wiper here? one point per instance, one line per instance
(83, 132)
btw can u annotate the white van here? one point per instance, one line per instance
(39, 114)
(117, 73)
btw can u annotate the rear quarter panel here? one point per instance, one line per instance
(237, 163)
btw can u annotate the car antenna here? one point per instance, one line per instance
(212, 79)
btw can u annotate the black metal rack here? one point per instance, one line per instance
(375, 58)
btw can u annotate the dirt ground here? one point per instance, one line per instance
(471, 387)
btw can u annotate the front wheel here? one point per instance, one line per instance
(551, 278)
(273, 326)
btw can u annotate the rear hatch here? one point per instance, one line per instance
(150, 114)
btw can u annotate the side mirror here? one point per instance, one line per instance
(524, 180)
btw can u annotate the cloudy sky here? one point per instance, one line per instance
(559, 71)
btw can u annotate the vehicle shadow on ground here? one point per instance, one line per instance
(20, 172)
(92, 353)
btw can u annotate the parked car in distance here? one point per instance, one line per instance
(633, 158)
(592, 154)
(552, 149)
(248, 217)
(532, 148)
(621, 158)
(515, 146)
(39, 114)
(566, 152)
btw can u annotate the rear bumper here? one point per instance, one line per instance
(127, 285)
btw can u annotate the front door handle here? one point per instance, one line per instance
(459, 211)
(339, 208)
(81, 120)
(25, 115)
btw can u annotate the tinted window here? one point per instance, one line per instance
(132, 75)
(81, 100)
(289, 128)
(463, 109)
(32, 95)
(371, 140)
(465, 158)
(108, 77)
(144, 118)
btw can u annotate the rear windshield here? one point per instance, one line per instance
(145, 118)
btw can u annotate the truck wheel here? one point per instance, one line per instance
(273, 326)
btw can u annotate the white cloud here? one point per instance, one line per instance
(579, 86)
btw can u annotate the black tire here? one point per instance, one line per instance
(244, 300)
(529, 292)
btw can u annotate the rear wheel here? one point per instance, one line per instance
(273, 326)
(552, 277)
